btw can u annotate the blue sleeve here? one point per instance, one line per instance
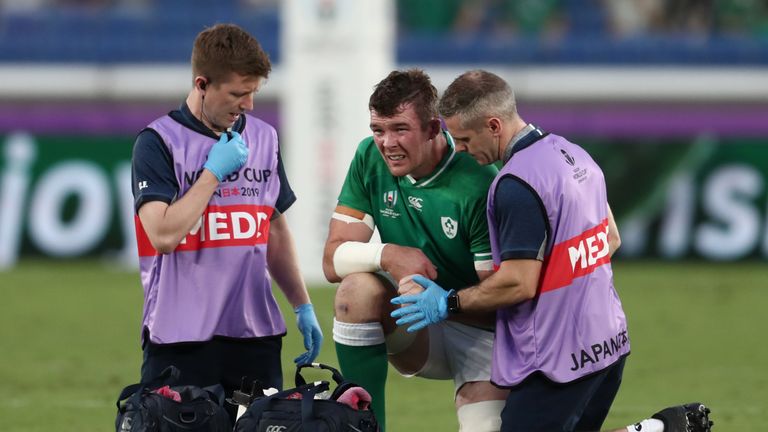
(521, 220)
(286, 198)
(152, 175)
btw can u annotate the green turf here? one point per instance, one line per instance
(69, 343)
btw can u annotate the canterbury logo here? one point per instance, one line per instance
(219, 226)
(275, 428)
(575, 257)
(415, 202)
(125, 426)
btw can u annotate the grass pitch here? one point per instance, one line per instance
(69, 341)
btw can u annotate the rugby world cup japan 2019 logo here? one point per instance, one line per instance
(568, 158)
(390, 202)
(390, 198)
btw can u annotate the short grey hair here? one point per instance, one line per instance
(475, 95)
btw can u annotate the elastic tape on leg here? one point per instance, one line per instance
(484, 416)
(358, 334)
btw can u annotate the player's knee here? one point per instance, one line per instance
(359, 298)
(357, 317)
(482, 416)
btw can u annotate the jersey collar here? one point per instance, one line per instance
(527, 136)
(440, 166)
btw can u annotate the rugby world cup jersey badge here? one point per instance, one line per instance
(390, 198)
(390, 201)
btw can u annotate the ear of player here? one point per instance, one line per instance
(227, 155)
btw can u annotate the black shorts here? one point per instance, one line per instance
(538, 404)
(222, 361)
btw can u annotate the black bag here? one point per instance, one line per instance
(141, 409)
(277, 413)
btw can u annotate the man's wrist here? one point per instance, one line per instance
(208, 174)
(303, 307)
(454, 302)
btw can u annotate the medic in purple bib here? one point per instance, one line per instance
(210, 192)
(561, 333)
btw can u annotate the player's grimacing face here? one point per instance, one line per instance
(403, 143)
(226, 100)
(479, 143)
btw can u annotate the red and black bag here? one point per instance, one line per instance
(161, 406)
(297, 410)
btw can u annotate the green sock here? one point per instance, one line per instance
(367, 367)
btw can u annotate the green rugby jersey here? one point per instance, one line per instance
(442, 214)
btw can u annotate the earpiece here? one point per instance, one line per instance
(202, 83)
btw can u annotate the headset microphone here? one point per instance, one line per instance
(203, 84)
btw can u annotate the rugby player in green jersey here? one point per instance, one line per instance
(428, 203)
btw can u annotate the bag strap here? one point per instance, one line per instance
(313, 388)
(216, 393)
(300, 381)
(189, 393)
(342, 384)
(308, 404)
(169, 375)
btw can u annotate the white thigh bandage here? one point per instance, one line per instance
(357, 257)
(482, 416)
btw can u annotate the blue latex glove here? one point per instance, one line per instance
(310, 330)
(226, 156)
(428, 307)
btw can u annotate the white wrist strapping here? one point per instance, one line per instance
(357, 257)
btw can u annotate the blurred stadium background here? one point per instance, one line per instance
(670, 96)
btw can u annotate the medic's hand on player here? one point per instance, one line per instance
(401, 261)
(310, 330)
(406, 286)
(226, 156)
(421, 310)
